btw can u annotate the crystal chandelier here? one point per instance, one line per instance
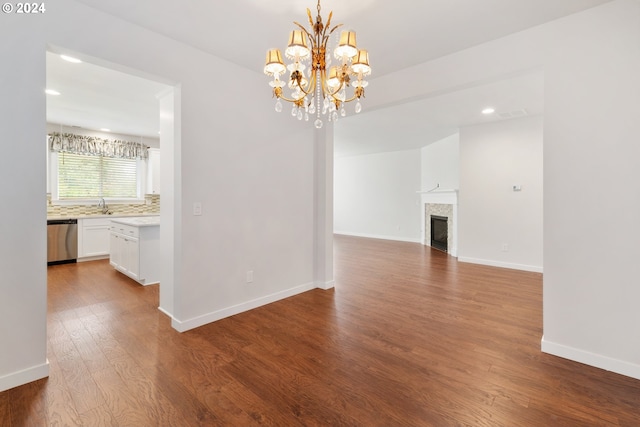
(318, 92)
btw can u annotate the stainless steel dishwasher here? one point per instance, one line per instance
(62, 241)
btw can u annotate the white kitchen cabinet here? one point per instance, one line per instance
(153, 171)
(135, 248)
(93, 238)
(125, 255)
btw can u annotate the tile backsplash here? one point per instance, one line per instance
(151, 206)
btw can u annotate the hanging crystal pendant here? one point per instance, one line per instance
(306, 117)
(278, 106)
(358, 107)
(312, 108)
(299, 115)
(294, 111)
(343, 112)
(318, 123)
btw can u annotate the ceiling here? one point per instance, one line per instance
(419, 123)
(95, 97)
(424, 29)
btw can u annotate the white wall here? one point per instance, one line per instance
(23, 250)
(255, 183)
(493, 158)
(375, 195)
(592, 95)
(592, 190)
(440, 164)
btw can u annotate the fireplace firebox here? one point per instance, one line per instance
(439, 232)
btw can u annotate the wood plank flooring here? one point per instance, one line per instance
(409, 337)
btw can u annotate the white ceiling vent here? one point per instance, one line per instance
(513, 114)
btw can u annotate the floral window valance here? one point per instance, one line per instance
(93, 146)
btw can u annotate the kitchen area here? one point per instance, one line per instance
(103, 168)
(127, 234)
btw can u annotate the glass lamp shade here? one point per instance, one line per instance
(361, 63)
(334, 80)
(297, 45)
(347, 46)
(273, 64)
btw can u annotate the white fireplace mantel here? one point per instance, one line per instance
(446, 197)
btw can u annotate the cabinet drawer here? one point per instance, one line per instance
(123, 229)
(94, 222)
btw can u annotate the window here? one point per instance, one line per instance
(84, 168)
(92, 177)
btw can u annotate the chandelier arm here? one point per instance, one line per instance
(353, 98)
(326, 90)
(306, 92)
(284, 98)
(333, 94)
(312, 82)
(334, 28)
(325, 37)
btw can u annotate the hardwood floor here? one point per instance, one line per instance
(409, 337)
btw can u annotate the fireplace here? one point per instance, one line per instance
(443, 204)
(439, 232)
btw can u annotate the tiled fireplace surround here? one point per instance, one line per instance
(441, 203)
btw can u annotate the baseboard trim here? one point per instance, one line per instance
(379, 236)
(92, 258)
(596, 360)
(183, 326)
(165, 312)
(25, 376)
(513, 266)
(326, 285)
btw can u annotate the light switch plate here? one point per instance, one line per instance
(197, 208)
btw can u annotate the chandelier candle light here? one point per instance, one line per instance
(327, 92)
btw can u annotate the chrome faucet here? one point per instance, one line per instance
(103, 205)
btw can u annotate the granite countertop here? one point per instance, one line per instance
(139, 221)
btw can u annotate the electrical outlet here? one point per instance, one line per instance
(250, 276)
(197, 208)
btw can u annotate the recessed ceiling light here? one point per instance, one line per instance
(489, 110)
(105, 130)
(51, 92)
(70, 59)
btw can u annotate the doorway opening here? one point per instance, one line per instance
(99, 99)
